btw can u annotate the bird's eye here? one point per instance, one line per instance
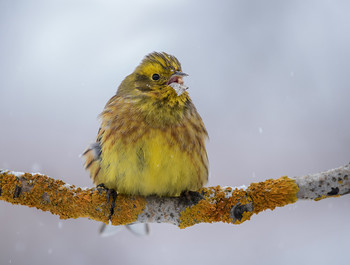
(155, 76)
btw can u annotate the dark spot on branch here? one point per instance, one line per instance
(26, 187)
(238, 210)
(45, 197)
(334, 191)
(17, 192)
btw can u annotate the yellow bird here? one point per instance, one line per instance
(152, 139)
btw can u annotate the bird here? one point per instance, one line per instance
(151, 140)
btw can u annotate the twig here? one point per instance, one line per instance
(216, 204)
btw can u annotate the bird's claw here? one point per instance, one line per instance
(192, 197)
(111, 197)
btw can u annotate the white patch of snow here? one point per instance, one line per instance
(243, 187)
(37, 173)
(17, 174)
(228, 193)
(68, 186)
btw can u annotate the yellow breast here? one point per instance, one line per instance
(154, 164)
(140, 158)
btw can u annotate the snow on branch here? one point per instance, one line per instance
(212, 204)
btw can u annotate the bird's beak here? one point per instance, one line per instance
(177, 83)
(177, 77)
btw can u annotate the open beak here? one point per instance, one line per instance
(177, 83)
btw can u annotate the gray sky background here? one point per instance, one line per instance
(269, 78)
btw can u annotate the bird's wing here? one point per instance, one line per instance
(92, 157)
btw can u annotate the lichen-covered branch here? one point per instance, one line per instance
(214, 204)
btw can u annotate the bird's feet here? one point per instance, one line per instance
(191, 197)
(111, 197)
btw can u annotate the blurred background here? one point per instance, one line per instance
(270, 79)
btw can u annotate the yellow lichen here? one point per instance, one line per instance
(67, 201)
(127, 209)
(55, 196)
(272, 193)
(216, 207)
(326, 196)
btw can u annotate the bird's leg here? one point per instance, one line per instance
(192, 197)
(111, 195)
(101, 187)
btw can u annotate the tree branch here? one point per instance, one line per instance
(217, 204)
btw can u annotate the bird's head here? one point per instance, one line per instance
(158, 76)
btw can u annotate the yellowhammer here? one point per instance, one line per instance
(151, 139)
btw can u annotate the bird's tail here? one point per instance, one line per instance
(92, 160)
(140, 229)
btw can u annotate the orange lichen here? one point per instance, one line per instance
(55, 196)
(326, 196)
(216, 205)
(272, 193)
(127, 209)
